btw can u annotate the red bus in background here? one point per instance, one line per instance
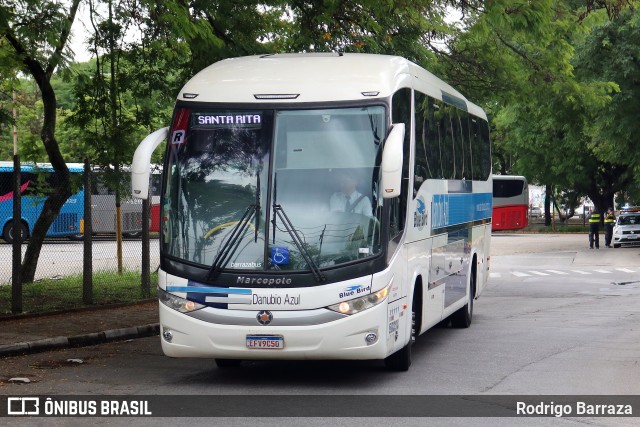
(510, 202)
(155, 218)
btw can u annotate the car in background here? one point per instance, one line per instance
(627, 229)
(627, 209)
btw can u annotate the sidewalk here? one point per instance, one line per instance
(32, 333)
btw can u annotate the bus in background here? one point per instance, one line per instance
(510, 202)
(318, 206)
(33, 181)
(103, 204)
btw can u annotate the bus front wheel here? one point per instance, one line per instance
(400, 361)
(7, 233)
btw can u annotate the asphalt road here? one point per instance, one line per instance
(556, 319)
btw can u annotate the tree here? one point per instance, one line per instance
(520, 56)
(611, 52)
(37, 32)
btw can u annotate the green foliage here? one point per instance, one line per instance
(521, 57)
(556, 77)
(66, 293)
(611, 53)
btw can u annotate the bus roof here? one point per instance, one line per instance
(314, 77)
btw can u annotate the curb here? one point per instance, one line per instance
(47, 344)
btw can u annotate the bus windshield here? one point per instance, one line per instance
(273, 190)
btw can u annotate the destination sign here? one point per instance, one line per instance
(229, 120)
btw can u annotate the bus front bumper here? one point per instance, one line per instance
(347, 338)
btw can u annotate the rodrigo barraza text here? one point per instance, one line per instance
(575, 409)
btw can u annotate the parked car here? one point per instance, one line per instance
(535, 212)
(627, 229)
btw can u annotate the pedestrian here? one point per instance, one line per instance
(609, 221)
(594, 229)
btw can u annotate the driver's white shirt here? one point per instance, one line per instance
(338, 203)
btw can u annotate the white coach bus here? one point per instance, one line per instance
(318, 206)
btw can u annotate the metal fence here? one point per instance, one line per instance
(87, 265)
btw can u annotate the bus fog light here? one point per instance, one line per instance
(371, 338)
(167, 335)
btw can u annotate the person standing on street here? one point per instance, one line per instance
(594, 229)
(609, 220)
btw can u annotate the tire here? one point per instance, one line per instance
(7, 233)
(462, 318)
(400, 361)
(228, 363)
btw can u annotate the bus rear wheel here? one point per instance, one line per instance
(462, 318)
(7, 233)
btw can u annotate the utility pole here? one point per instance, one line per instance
(16, 276)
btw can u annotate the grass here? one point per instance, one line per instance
(65, 293)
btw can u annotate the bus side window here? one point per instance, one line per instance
(421, 166)
(401, 113)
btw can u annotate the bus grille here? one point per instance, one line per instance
(65, 223)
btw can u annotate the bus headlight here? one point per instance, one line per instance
(179, 304)
(360, 304)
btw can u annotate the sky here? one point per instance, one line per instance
(79, 34)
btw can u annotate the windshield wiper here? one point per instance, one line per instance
(277, 210)
(231, 245)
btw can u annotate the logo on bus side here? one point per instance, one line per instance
(420, 216)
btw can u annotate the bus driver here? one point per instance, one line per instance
(349, 199)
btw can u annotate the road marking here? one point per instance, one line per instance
(518, 274)
(562, 273)
(538, 273)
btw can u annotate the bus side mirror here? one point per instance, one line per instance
(141, 164)
(392, 162)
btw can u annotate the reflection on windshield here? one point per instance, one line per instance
(219, 212)
(215, 175)
(325, 178)
(629, 220)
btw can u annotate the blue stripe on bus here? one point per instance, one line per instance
(208, 290)
(453, 209)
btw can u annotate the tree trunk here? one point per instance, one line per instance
(62, 191)
(547, 205)
(59, 194)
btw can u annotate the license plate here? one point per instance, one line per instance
(265, 342)
(631, 236)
